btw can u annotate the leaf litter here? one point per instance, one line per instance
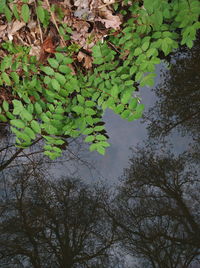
(88, 22)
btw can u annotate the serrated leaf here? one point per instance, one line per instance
(47, 70)
(17, 123)
(89, 138)
(5, 106)
(6, 79)
(133, 69)
(78, 109)
(35, 126)
(50, 129)
(100, 137)
(81, 99)
(30, 132)
(38, 108)
(64, 69)
(104, 144)
(15, 77)
(89, 111)
(40, 13)
(55, 84)
(3, 118)
(114, 91)
(9, 115)
(99, 128)
(18, 107)
(25, 11)
(145, 46)
(26, 115)
(88, 131)
(100, 149)
(133, 104)
(93, 147)
(137, 51)
(60, 78)
(53, 63)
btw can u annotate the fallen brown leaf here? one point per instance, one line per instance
(14, 27)
(87, 60)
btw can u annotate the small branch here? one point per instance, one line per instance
(2, 167)
(54, 21)
(40, 30)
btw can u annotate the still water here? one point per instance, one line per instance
(151, 219)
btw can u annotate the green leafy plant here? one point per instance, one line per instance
(51, 101)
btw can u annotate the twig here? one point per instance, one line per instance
(55, 23)
(40, 30)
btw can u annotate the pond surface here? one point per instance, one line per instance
(40, 213)
(125, 135)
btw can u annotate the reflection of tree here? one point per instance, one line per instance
(53, 224)
(157, 213)
(179, 96)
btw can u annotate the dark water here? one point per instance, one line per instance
(64, 224)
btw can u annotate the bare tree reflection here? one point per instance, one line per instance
(157, 210)
(178, 104)
(53, 224)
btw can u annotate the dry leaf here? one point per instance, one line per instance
(87, 59)
(48, 45)
(114, 23)
(81, 4)
(108, 19)
(35, 51)
(15, 27)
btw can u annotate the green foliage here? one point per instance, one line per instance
(53, 102)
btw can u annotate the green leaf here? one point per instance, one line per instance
(9, 115)
(89, 138)
(40, 13)
(53, 63)
(15, 77)
(55, 84)
(114, 91)
(101, 137)
(60, 78)
(133, 104)
(5, 106)
(100, 149)
(138, 76)
(88, 131)
(133, 69)
(17, 123)
(38, 108)
(89, 103)
(137, 51)
(35, 126)
(78, 109)
(81, 99)
(8, 13)
(47, 70)
(89, 111)
(50, 129)
(25, 11)
(104, 144)
(3, 118)
(93, 147)
(30, 132)
(15, 11)
(18, 107)
(6, 79)
(25, 115)
(59, 57)
(64, 69)
(145, 46)
(99, 128)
